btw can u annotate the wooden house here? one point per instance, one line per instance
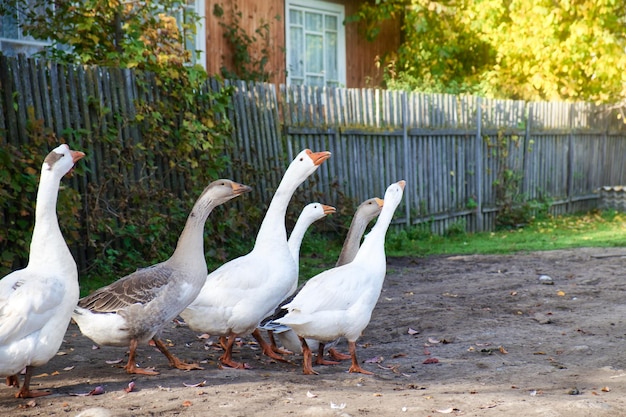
(305, 41)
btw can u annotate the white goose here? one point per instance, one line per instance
(310, 214)
(339, 302)
(365, 213)
(36, 302)
(133, 309)
(242, 292)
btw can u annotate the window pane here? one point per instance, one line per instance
(314, 22)
(314, 53)
(296, 53)
(8, 26)
(317, 81)
(295, 17)
(331, 22)
(332, 70)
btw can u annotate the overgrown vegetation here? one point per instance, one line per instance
(136, 207)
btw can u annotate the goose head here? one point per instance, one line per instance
(305, 163)
(315, 211)
(223, 190)
(61, 160)
(393, 195)
(370, 208)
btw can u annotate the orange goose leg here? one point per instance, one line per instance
(131, 366)
(13, 381)
(267, 349)
(174, 361)
(338, 356)
(355, 363)
(320, 357)
(227, 358)
(307, 360)
(275, 348)
(25, 392)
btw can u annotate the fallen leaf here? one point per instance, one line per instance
(412, 331)
(377, 394)
(398, 355)
(560, 293)
(41, 375)
(431, 360)
(96, 391)
(502, 350)
(375, 359)
(61, 353)
(433, 341)
(130, 387)
(338, 406)
(199, 384)
(29, 404)
(606, 389)
(69, 368)
(309, 394)
(95, 347)
(447, 410)
(113, 362)
(187, 403)
(55, 373)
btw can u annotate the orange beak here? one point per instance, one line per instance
(380, 202)
(240, 188)
(76, 155)
(401, 183)
(328, 209)
(318, 157)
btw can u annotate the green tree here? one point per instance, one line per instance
(533, 50)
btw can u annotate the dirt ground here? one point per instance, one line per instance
(537, 334)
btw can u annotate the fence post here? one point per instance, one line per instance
(480, 226)
(405, 143)
(570, 158)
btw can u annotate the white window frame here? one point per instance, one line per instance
(199, 53)
(325, 8)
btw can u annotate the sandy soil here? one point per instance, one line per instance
(501, 342)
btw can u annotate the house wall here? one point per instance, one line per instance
(253, 15)
(361, 58)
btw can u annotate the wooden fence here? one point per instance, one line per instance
(457, 153)
(453, 151)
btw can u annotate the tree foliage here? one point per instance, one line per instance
(539, 50)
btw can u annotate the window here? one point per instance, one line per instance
(315, 43)
(12, 40)
(196, 45)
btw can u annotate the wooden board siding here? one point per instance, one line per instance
(254, 14)
(361, 54)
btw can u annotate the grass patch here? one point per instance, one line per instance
(593, 229)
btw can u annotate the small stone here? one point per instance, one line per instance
(546, 280)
